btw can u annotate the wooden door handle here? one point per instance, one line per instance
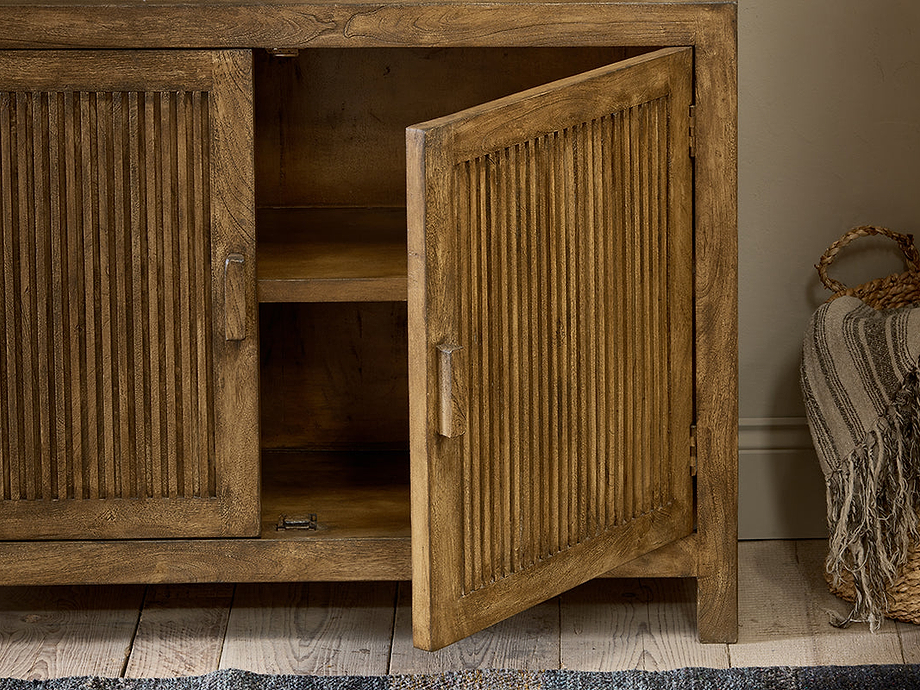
(451, 391)
(235, 297)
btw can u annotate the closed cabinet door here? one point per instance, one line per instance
(128, 367)
(550, 326)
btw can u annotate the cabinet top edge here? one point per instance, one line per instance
(269, 5)
(294, 24)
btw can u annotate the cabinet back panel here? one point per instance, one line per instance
(334, 375)
(331, 123)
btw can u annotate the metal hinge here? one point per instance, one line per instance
(307, 521)
(692, 131)
(693, 450)
(283, 52)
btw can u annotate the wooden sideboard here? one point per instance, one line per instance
(279, 279)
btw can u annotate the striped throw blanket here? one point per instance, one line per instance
(862, 399)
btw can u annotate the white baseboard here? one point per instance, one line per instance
(774, 433)
(781, 488)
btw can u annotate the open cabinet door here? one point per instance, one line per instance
(550, 331)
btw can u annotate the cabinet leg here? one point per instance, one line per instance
(717, 607)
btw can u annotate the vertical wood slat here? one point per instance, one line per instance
(8, 413)
(537, 336)
(102, 306)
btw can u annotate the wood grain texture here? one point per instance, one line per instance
(181, 631)
(716, 318)
(318, 628)
(784, 613)
(676, 559)
(602, 625)
(109, 385)
(235, 297)
(452, 394)
(578, 374)
(643, 624)
(332, 255)
(320, 117)
(628, 623)
(52, 632)
(207, 560)
(526, 641)
(219, 23)
(334, 376)
(910, 642)
(673, 640)
(276, 557)
(292, 131)
(355, 495)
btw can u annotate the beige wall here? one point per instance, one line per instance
(829, 138)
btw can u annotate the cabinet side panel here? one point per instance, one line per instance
(106, 299)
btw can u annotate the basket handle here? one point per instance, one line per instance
(905, 242)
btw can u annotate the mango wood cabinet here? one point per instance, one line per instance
(281, 279)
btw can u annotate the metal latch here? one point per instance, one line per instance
(283, 52)
(693, 450)
(307, 521)
(693, 131)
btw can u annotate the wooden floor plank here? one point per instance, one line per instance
(783, 612)
(672, 640)
(527, 641)
(856, 644)
(181, 631)
(910, 642)
(348, 628)
(601, 624)
(316, 628)
(612, 625)
(51, 632)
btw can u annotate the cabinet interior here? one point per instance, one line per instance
(330, 163)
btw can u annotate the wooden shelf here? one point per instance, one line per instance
(331, 254)
(355, 495)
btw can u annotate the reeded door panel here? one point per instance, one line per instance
(550, 317)
(128, 379)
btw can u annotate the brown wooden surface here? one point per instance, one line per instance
(334, 375)
(256, 24)
(330, 124)
(676, 559)
(355, 495)
(274, 559)
(206, 560)
(332, 255)
(235, 291)
(578, 419)
(117, 384)
(281, 98)
(716, 318)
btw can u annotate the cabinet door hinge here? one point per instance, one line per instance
(286, 522)
(283, 52)
(693, 450)
(692, 131)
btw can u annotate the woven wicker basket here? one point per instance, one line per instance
(896, 290)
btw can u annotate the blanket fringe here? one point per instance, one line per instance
(873, 504)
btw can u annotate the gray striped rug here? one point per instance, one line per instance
(780, 678)
(862, 399)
